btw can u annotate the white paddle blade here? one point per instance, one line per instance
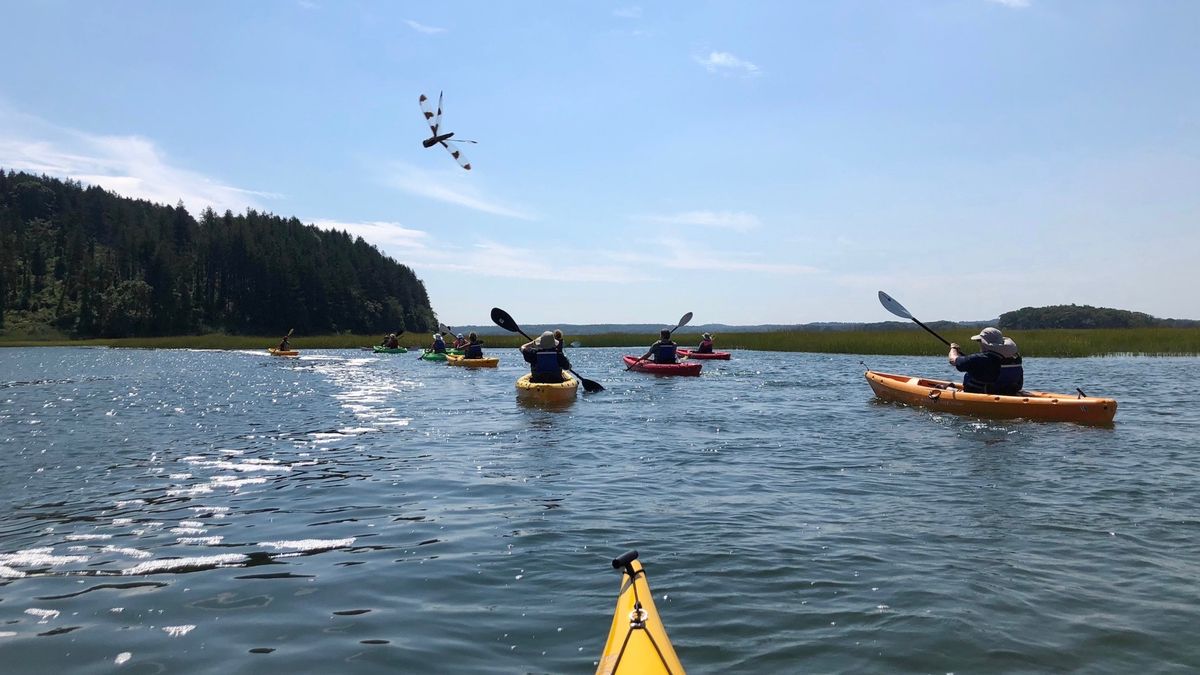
(889, 303)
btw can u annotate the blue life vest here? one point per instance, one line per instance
(473, 351)
(664, 354)
(546, 363)
(439, 345)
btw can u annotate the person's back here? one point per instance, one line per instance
(663, 351)
(284, 345)
(706, 344)
(473, 347)
(546, 362)
(996, 369)
(439, 344)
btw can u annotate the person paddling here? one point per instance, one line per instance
(460, 341)
(391, 341)
(546, 361)
(284, 344)
(996, 369)
(663, 350)
(472, 347)
(439, 344)
(706, 344)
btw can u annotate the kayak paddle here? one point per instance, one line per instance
(502, 319)
(683, 321)
(889, 303)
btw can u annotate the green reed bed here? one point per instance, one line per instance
(1033, 343)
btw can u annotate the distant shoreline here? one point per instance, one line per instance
(1033, 343)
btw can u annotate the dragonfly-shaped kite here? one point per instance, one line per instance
(435, 120)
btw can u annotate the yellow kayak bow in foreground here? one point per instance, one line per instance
(637, 641)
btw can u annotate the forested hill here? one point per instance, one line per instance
(1085, 316)
(90, 263)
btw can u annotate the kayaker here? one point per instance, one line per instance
(391, 341)
(663, 350)
(284, 344)
(460, 341)
(439, 344)
(546, 361)
(706, 344)
(996, 369)
(558, 339)
(472, 347)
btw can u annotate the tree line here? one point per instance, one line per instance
(91, 263)
(1085, 316)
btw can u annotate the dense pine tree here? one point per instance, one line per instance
(94, 264)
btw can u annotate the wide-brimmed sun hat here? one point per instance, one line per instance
(707, 336)
(993, 340)
(546, 340)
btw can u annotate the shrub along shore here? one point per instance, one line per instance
(1033, 343)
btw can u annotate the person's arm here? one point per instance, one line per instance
(563, 361)
(954, 354)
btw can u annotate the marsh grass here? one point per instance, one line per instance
(1033, 343)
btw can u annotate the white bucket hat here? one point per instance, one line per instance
(546, 340)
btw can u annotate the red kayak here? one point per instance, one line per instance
(663, 368)
(723, 356)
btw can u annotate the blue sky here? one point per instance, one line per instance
(752, 162)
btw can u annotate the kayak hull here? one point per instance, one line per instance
(283, 352)
(391, 350)
(683, 368)
(644, 649)
(711, 356)
(547, 393)
(433, 356)
(949, 397)
(485, 362)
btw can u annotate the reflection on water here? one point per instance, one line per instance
(171, 510)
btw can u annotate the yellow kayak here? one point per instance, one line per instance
(950, 397)
(637, 641)
(485, 362)
(283, 352)
(547, 393)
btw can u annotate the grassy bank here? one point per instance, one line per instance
(1033, 343)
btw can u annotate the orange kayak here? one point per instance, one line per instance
(1034, 405)
(283, 352)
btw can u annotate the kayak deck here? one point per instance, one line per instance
(283, 352)
(683, 368)
(485, 362)
(715, 356)
(949, 397)
(637, 641)
(390, 350)
(546, 392)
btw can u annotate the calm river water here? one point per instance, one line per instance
(229, 512)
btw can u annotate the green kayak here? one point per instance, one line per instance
(433, 356)
(385, 350)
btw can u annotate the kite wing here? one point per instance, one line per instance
(458, 156)
(434, 119)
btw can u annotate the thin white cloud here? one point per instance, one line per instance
(1014, 4)
(307, 4)
(724, 62)
(452, 186)
(730, 220)
(132, 166)
(631, 12)
(385, 235)
(422, 28)
(681, 255)
(485, 258)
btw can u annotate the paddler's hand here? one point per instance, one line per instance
(953, 355)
